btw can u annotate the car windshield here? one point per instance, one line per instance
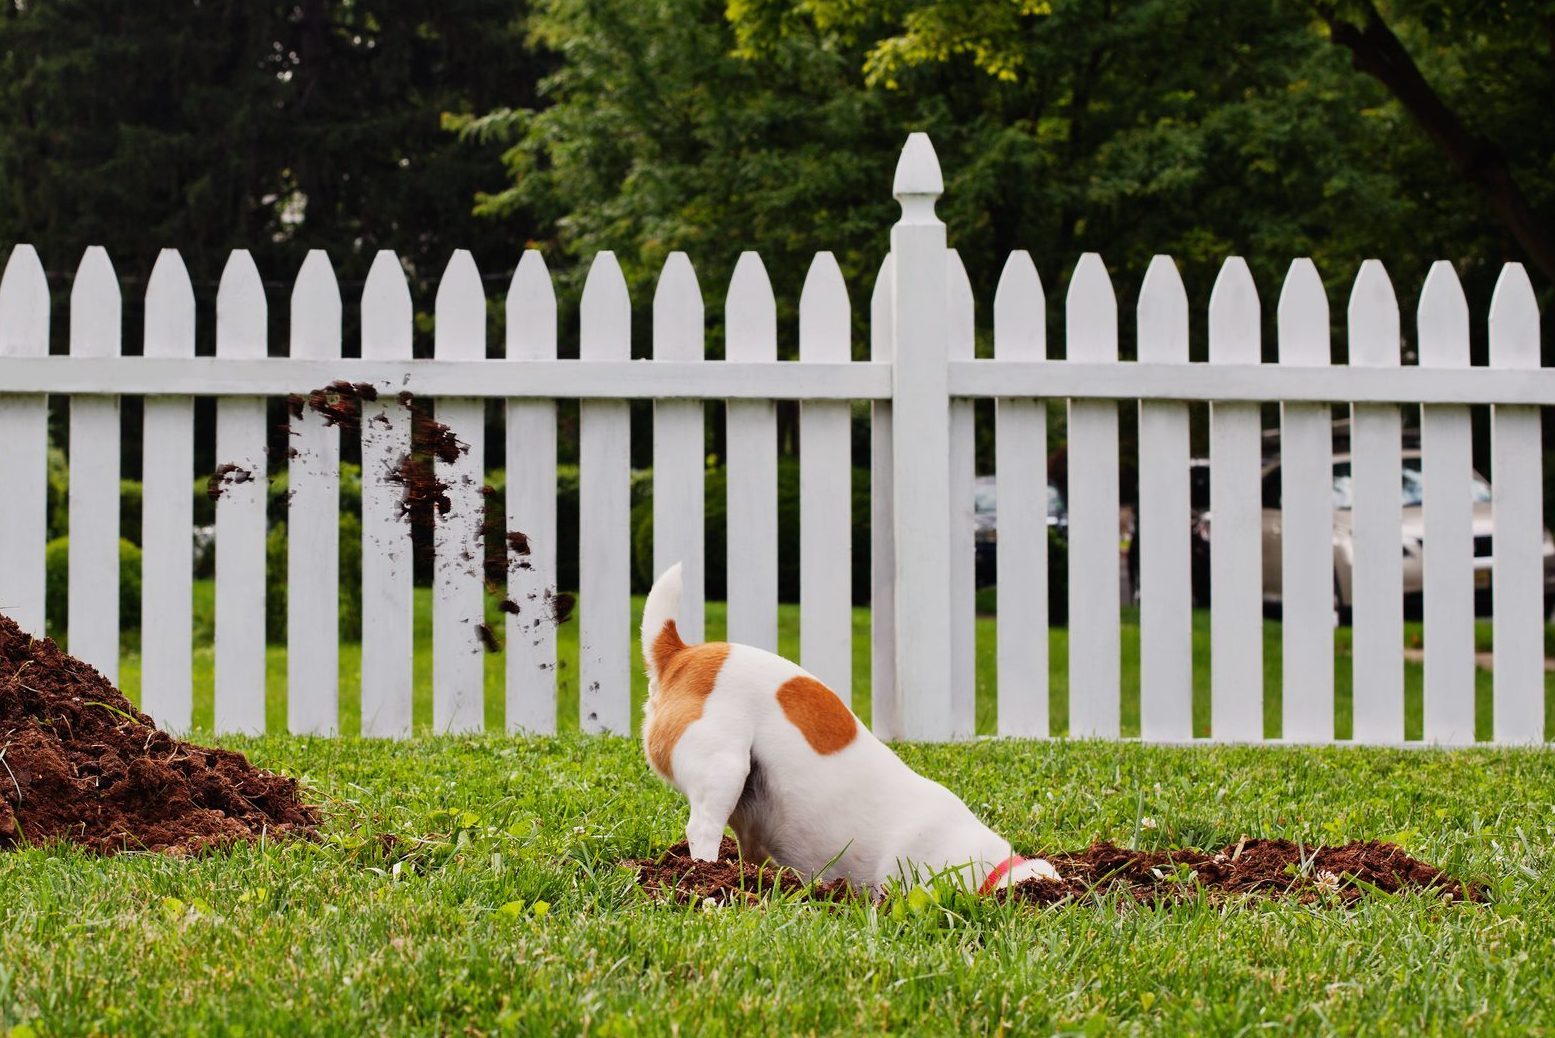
(1411, 486)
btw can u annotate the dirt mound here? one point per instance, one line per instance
(79, 763)
(1267, 868)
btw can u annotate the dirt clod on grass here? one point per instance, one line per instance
(79, 763)
(1263, 868)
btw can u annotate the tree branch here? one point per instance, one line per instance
(1376, 51)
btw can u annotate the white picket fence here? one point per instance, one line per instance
(921, 380)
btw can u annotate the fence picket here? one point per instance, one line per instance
(1517, 499)
(313, 519)
(93, 621)
(531, 508)
(241, 333)
(1020, 468)
(604, 507)
(24, 429)
(387, 553)
(167, 518)
(825, 488)
(1376, 459)
(1095, 694)
(679, 444)
(1165, 571)
(1307, 574)
(963, 473)
(750, 317)
(1236, 521)
(458, 548)
(1447, 460)
(885, 702)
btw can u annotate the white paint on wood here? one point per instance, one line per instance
(884, 701)
(93, 619)
(24, 429)
(1020, 470)
(167, 517)
(1376, 517)
(1095, 693)
(1307, 577)
(1447, 457)
(1236, 531)
(530, 636)
(313, 520)
(750, 319)
(1165, 574)
(825, 488)
(458, 549)
(679, 444)
(241, 333)
(387, 553)
(604, 505)
(1518, 504)
(920, 450)
(963, 471)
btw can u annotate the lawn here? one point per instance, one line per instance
(498, 909)
(788, 622)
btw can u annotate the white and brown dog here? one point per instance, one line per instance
(754, 742)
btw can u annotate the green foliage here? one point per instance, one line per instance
(276, 583)
(56, 560)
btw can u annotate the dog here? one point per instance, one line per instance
(754, 742)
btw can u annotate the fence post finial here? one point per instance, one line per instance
(918, 183)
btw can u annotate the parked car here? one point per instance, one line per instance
(1412, 532)
(985, 513)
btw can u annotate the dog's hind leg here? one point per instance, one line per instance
(710, 770)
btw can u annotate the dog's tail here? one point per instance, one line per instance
(661, 638)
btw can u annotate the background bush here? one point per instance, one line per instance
(350, 580)
(56, 561)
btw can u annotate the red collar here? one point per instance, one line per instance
(998, 872)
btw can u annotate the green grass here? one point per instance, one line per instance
(788, 621)
(442, 931)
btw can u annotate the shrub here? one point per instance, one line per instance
(350, 578)
(56, 561)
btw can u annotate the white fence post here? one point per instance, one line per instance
(24, 429)
(1517, 493)
(167, 516)
(1095, 640)
(94, 473)
(458, 549)
(241, 333)
(531, 508)
(388, 652)
(920, 469)
(679, 445)
(1165, 568)
(750, 321)
(313, 520)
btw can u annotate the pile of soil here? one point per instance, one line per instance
(79, 763)
(1265, 868)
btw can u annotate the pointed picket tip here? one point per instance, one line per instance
(387, 310)
(824, 312)
(459, 312)
(1163, 313)
(678, 319)
(1019, 311)
(750, 312)
(1514, 320)
(961, 309)
(1302, 316)
(531, 310)
(881, 319)
(605, 326)
(917, 169)
(1442, 319)
(1234, 315)
(1373, 317)
(95, 306)
(241, 309)
(169, 308)
(1091, 312)
(24, 305)
(316, 308)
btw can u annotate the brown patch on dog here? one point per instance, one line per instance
(686, 677)
(821, 717)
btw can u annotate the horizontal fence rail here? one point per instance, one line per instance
(920, 382)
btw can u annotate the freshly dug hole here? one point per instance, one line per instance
(1265, 868)
(79, 763)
